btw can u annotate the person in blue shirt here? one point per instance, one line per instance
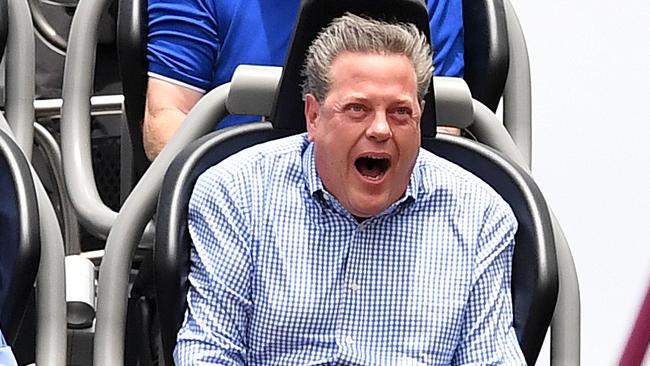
(195, 45)
(350, 245)
(6, 356)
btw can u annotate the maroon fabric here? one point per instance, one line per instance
(637, 344)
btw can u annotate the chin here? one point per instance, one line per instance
(368, 209)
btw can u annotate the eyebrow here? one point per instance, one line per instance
(354, 97)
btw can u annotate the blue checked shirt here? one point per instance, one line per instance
(282, 274)
(6, 356)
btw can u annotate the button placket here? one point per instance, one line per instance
(352, 288)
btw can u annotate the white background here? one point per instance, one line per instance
(590, 65)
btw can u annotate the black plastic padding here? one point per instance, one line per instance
(534, 274)
(79, 315)
(486, 50)
(132, 24)
(172, 243)
(19, 229)
(315, 15)
(4, 25)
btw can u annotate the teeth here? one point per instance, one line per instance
(381, 175)
(372, 167)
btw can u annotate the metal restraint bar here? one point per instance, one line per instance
(140, 204)
(517, 115)
(50, 300)
(78, 77)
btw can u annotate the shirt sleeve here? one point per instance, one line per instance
(218, 298)
(447, 38)
(6, 356)
(488, 336)
(183, 41)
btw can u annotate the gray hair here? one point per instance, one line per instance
(356, 34)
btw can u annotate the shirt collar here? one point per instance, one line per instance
(313, 181)
(315, 184)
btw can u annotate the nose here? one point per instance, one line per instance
(379, 129)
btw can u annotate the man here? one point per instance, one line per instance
(349, 245)
(195, 45)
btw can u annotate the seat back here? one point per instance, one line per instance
(486, 50)
(534, 275)
(19, 230)
(534, 268)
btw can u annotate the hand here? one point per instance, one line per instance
(448, 130)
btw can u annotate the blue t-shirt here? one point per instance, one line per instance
(199, 43)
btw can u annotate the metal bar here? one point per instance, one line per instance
(490, 131)
(517, 115)
(100, 105)
(20, 69)
(78, 74)
(45, 30)
(46, 141)
(123, 238)
(565, 326)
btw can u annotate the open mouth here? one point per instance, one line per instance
(372, 167)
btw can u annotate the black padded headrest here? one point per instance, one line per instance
(132, 24)
(4, 26)
(486, 50)
(315, 15)
(132, 56)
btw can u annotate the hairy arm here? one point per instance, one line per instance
(167, 106)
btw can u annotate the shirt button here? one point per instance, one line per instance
(349, 340)
(354, 287)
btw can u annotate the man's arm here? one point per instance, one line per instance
(167, 106)
(218, 299)
(487, 337)
(446, 28)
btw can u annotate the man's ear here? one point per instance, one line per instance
(311, 115)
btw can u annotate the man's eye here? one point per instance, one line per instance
(356, 111)
(357, 108)
(401, 114)
(402, 111)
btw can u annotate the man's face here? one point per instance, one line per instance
(366, 132)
